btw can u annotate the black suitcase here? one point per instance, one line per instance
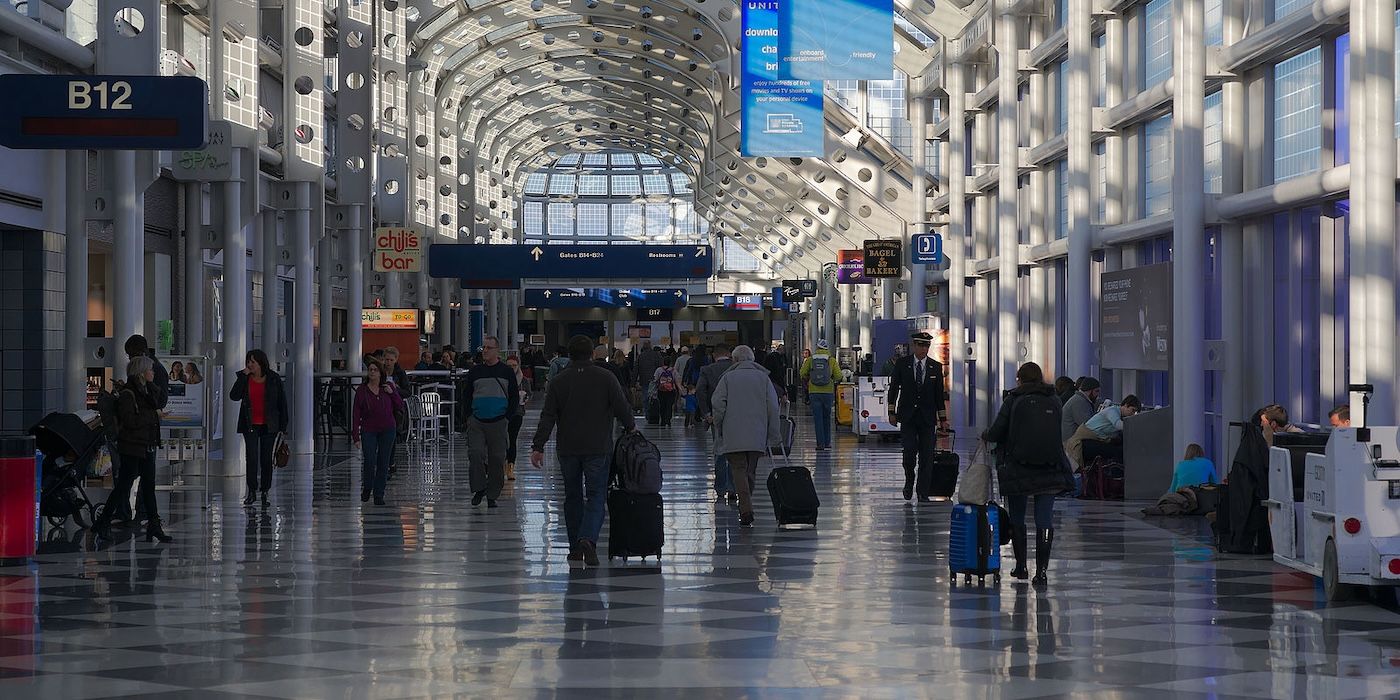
(636, 525)
(940, 481)
(654, 411)
(794, 496)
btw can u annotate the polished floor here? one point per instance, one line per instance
(319, 596)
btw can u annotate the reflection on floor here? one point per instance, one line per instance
(317, 595)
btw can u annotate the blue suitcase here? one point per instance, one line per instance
(974, 547)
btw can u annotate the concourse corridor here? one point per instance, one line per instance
(318, 595)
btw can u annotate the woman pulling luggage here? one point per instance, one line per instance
(1031, 465)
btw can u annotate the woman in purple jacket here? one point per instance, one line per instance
(372, 424)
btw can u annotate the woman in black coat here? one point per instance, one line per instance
(1031, 465)
(138, 436)
(262, 416)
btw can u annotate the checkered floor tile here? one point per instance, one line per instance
(318, 595)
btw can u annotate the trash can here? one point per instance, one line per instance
(19, 498)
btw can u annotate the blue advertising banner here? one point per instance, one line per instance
(840, 39)
(781, 115)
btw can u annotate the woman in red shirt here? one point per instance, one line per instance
(261, 417)
(372, 424)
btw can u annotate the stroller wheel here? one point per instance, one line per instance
(78, 519)
(56, 520)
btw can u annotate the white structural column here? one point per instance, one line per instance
(887, 287)
(1008, 233)
(463, 337)
(235, 306)
(195, 284)
(128, 253)
(956, 245)
(1230, 248)
(75, 273)
(325, 301)
(1372, 235)
(864, 317)
(267, 223)
(915, 302)
(355, 289)
(446, 321)
(1188, 226)
(1041, 299)
(1079, 159)
(849, 319)
(303, 332)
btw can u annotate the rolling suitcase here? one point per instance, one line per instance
(974, 543)
(636, 525)
(789, 430)
(794, 496)
(941, 480)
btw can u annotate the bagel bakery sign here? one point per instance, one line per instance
(398, 250)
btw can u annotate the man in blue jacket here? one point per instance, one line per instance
(492, 396)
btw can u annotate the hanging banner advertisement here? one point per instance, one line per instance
(389, 319)
(851, 267)
(1136, 318)
(839, 39)
(186, 406)
(398, 250)
(781, 115)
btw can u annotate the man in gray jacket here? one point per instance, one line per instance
(704, 393)
(1080, 407)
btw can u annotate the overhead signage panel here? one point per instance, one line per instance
(884, 258)
(794, 290)
(389, 319)
(743, 302)
(398, 249)
(655, 314)
(583, 298)
(840, 39)
(926, 249)
(850, 267)
(103, 112)
(482, 265)
(781, 115)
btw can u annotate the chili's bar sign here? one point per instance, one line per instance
(389, 319)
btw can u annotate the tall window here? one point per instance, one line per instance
(1157, 166)
(1061, 97)
(1283, 8)
(1214, 153)
(1062, 199)
(1156, 42)
(1100, 71)
(610, 197)
(1100, 181)
(887, 115)
(1298, 115)
(1215, 22)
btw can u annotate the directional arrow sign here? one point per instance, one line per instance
(504, 264)
(580, 298)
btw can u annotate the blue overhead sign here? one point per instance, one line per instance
(840, 39)
(493, 266)
(743, 302)
(926, 249)
(103, 112)
(580, 298)
(781, 115)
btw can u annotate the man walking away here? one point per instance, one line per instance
(704, 394)
(648, 361)
(582, 401)
(492, 396)
(819, 371)
(746, 423)
(918, 405)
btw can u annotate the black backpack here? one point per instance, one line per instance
(1035, 430)
(107, 408)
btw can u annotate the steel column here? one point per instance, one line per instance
(128, 252)
(75, 270)
(303, 332)
(235, 307)
(1372, 232)
(1188, 226)
(267, 223)
(355, 288)
(915, 302)
(1079, 160)
(955, 77)
(1008, 233)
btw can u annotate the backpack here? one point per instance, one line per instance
(107, 408)
(666, 382)
(636, 465)
(1035, 430)
(821, 370)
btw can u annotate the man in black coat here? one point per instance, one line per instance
(918, 404)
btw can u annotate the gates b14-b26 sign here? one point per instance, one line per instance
(398, 250)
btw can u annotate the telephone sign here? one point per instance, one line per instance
(927, 249)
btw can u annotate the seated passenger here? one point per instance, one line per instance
(1195, 469)
(1102, 434)
(1340, 417)
(1079, 407)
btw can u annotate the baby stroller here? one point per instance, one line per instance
(69, 445)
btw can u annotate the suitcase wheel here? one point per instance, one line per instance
(967, 579)
(996, 578)
(981, 581)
